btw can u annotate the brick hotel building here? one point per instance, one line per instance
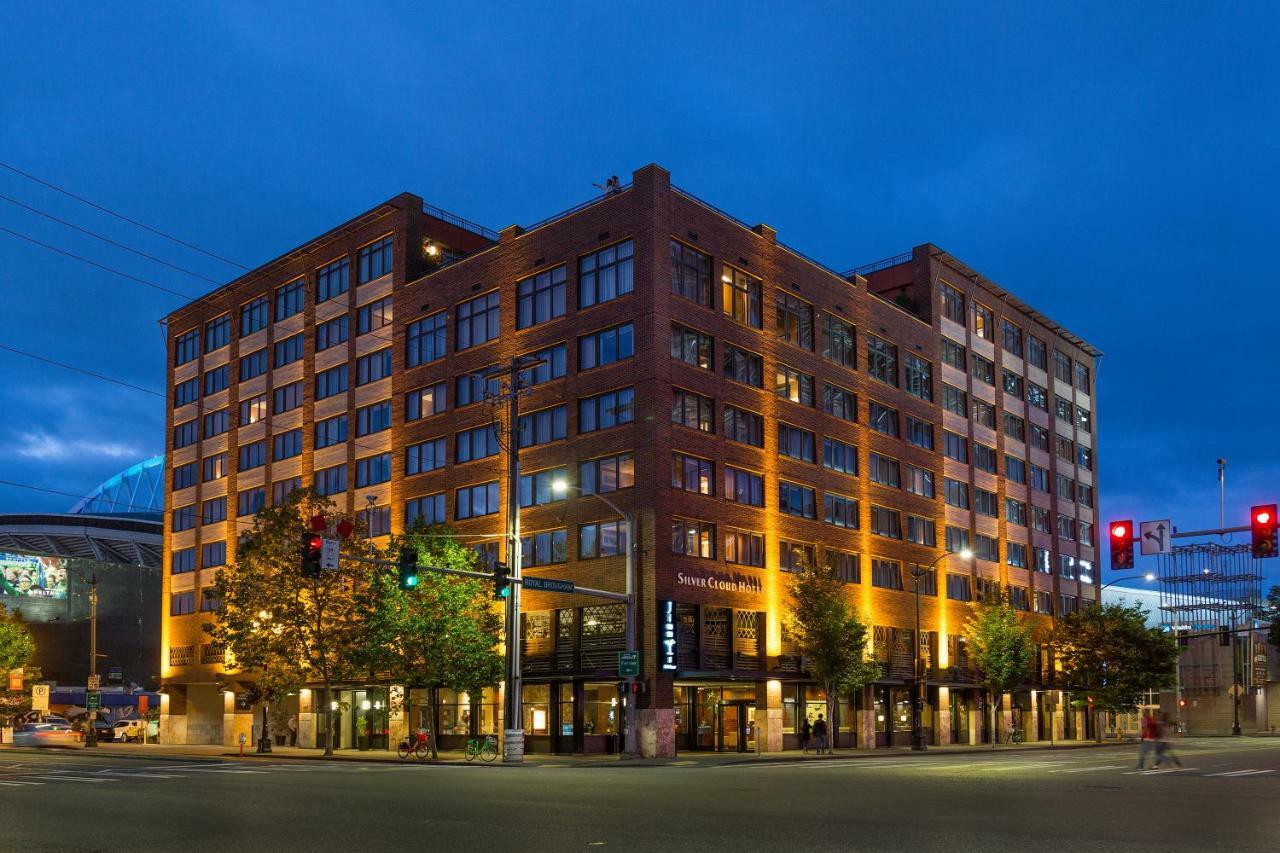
(752, 408)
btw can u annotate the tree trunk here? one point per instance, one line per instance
(832, 701)
(995, 717)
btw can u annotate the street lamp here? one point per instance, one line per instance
(1149, 576)
(561, 487)
(919, 742)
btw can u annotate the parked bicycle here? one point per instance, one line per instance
(415, 745)
(485, 748)
(1014, 736)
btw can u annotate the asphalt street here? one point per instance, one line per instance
(1224, 797)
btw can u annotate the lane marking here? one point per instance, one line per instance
(1090, 769)
(17, 784)
(1158, 772)
(72, 779)
(1241, 773)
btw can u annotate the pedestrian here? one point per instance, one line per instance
(1150, 736)
(1164, 749)
(806, 732)
(293, 730)
(820, 734)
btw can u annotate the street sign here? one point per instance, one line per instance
(95, 681)
(548, 584)
(628, 664)
(1155, 537)
(92, 700)
(329, 555)
(115, 675)
(40, 697)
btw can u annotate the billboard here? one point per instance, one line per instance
(33, 577)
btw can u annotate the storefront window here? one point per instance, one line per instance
(455, 712)
(601, 709)
(901, 698)
(489, 711)
(815, 703)
(882, 720)
(537, 709)
(680, 705)
(566, 708)
(790, 709)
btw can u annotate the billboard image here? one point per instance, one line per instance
(33, 577)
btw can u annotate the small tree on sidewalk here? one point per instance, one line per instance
(1000, 647)
(441, 633)
(17, 651)
(832, 640)
(1108, 653)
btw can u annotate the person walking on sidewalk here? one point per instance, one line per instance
(806, 732)
(1150, 737)
(820, 734)
(293, 730)
(1164, 749)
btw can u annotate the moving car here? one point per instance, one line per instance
(48, 734)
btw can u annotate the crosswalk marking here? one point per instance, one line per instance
(67, 778)
(1159, 772)
(15, 783)
(1089, 769)
(1241, 773)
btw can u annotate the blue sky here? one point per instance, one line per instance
(1112, 164)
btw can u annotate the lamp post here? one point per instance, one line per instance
(919, 742)
(1149, 576)
(629, 626)
(91, 736)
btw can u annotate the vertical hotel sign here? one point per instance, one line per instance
(668, 639)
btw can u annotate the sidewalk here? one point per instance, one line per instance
(166, 752)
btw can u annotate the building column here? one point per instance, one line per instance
(867, 719)
(306, 718)
(977, 713)
(173, 714)
(1033, 719)
(943, 735)
(769, 715)
(236, 723)
(1059, 720)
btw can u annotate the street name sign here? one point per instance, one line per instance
(628, 664)
(1155, 537)
(92, 700)
(548, 584)
(329, 555)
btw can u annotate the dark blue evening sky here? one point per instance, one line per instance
(1113, 165)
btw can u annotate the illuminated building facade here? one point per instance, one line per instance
(753, 409)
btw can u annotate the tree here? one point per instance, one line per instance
(17, 651)
(442, 633)
(290, 629)
(831, 638)
(1108, 653)
(1001, 648)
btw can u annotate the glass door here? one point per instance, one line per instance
(730, 728)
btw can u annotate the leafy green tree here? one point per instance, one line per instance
(442, 633)
(1001, 648)
(290, 629)
(17, 650)
(831, 638)
(1108, 652)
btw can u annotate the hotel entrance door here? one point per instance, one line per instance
(737, 727)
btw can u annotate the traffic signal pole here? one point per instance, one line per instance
(513, 713)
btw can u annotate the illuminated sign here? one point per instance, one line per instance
(668, 642)
(33, 577)
(722, 581)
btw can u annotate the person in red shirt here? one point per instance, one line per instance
(1150, 736)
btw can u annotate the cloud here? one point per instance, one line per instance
(42, 446)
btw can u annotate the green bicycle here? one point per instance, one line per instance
(485, 748)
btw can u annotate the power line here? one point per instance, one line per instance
(121, 216)
(82, 259)
(118, 245)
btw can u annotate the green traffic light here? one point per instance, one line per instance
(412, 580)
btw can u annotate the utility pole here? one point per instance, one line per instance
(91, 737)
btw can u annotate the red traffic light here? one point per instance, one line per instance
(1263, 531)
(1262, 517)
(315, 543)
(1121, 545)
(1119, 530)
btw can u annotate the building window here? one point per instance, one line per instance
(840, 402)
(953, 354)
(984, 458)
(216, 423)
(955, 401)
(1011, 338)
(287, 445)
(884, 471)
(253, 455)
(1065, 448)
(982, 369)
(1015, 427)
(693, 410)
(290, 299)
(1040, 561)
(186, 392)
(956, 493)
(606, 410)
(1067, 566)
(550, 365)
(476, 501)
(886, 574)
(332, 279)
(182, 603)
(1044, 602)
(882, 419)
(845, 566)
(1015, 511)
(604, 275)
(886, 522)
(1064, 488)
(373, 418)
(1084, 420)
(1039, 438)
(691, 274)
(743, 549)
(840, 511)
(919, 377)
(540, 298)
(986, 548)
(545, 548)
(742, 426)
(186, 347)
(281, 489)
(691, 474)
(425, 340)
(1015, 554)
(1013, 384)
(791, 384)
(214, 467)
(1040, 519)
(741, 297)
(331, 481)
(983, 322)
(379, 518)
(957, 539)
(693, 538)
(1037, 352)
(794, 556)
(215, 380)
(1061, 367)
(183, 518)
(693, 347)
(424, 456)
(602, 539)
(955, 446)
(253, 364)
(213, 554)
(1066, 527)
(375, 260)
(796, 443)
(424, 511)
(742, 366)
(1037, 396)
(919, 433)
(374, 366)
(213, 510)
(919, 481)
(184, 476)
(952, 303)
(185, 434)
(330, 382)
(1063, 409)
(1082, 378)
(797, 500)
(922, 531)
(331, 333)
(217, 333)
(839, 456)
(794, 320)
(607, 474)
(289, 397)
(476, 443)
(606, 347)
(254, 316)
(1084, 495)
(959, 588)
(424, 402)
(985, 503)
(882, 360)
(477, 387)
(1015, 469)
(250, 501)
(289, 350)
(984, 413)
(743, 487)
(372, 470)
(477, 321)
(544, 426)
(839, 342)
(375, 315)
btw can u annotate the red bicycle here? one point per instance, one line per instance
(415, 745)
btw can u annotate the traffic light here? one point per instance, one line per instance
(1121, 545)
(501, 582)
(408, 568)
(312, 545)
(1262, 523)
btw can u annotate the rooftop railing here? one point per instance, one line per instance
(876, 266)
(619, 190)
(454, 219)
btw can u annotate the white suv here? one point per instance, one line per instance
(133, 730)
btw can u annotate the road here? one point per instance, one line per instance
(1224, 798)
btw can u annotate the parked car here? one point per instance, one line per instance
(105, 731)
(133, 729)
(48, 734)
